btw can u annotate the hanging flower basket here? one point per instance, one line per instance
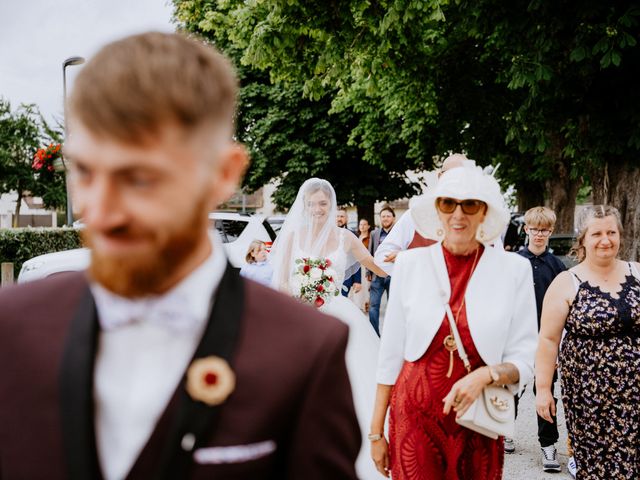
(46, 159)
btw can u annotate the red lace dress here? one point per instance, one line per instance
(424, 443)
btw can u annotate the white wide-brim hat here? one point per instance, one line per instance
(463, 183)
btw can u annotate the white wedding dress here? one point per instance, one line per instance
(361, 357)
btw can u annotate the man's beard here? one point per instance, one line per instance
(146, 271)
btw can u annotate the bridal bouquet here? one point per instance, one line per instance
(313, 280)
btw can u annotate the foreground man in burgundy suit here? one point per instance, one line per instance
(160, 361)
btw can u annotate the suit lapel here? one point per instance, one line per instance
(193, 421)
(76, 391)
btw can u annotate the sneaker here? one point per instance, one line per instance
(572, 467)
(509, 445)
(550, 459)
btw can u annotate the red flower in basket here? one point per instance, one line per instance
(306, 268)
(318, 302)
(44, 157)
(320, 288)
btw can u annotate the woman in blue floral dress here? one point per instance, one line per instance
(597, 303)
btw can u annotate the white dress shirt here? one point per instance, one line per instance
(139, 364)
(398, 240)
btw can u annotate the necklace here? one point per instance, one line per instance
(449, 341)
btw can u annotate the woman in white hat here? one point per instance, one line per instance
(420, 373)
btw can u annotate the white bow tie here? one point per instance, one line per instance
(172, 312)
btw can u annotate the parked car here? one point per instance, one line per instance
(49, 264)
(276, 222)
(560, 245)
(237, 231)
(515, 236)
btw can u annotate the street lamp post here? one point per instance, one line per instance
(69, 61)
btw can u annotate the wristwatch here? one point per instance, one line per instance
(495, 376)
(374, 437)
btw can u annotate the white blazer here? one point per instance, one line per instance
(500, 305)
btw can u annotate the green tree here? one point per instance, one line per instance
(420, 86)
(547, 89)
(292, 138)
(575, 64)
(22, 133)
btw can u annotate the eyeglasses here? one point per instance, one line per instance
(535, 231)
(469, 207)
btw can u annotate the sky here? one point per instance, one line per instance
(36, 36)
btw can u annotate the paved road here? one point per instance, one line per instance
(525, 463)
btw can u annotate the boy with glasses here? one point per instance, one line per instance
(539, 223)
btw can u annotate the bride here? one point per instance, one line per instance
(310, 234)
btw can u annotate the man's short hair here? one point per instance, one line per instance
(540, 217)
(341, 208)
(387, 208)
(134, 87)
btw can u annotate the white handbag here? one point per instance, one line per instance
(493, 412)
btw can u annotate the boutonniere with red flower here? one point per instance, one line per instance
(210, 380)
(313, 281)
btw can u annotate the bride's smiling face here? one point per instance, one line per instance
(318, 206)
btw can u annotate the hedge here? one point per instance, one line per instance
(20, 244)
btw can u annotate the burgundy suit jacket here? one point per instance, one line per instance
(292, 389)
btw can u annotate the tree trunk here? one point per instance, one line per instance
(530, 193)
(366, 211)
(16, 215)
(563, 190)
(616, 184)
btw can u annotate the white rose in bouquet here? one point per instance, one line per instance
(315, 273)
(331, 273)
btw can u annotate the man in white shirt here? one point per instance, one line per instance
(160, 361)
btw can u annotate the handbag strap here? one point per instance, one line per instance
(456, 335)
(452, 323)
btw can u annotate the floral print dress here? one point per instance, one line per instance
(600, 375)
